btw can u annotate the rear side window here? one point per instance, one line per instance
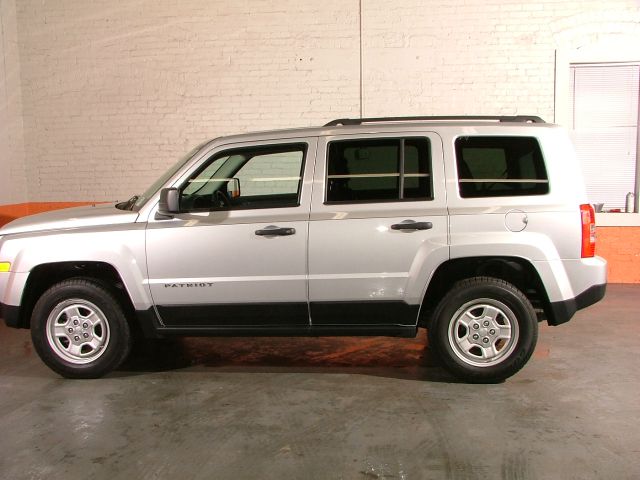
(500, 166)
(379, 170)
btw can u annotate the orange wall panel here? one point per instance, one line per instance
(621, 247)
(11, 212)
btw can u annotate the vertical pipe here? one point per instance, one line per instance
(573, 98)
(555, 83)
(636, 201)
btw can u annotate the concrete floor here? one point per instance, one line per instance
(332, 408)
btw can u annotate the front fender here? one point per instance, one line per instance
(122, 248)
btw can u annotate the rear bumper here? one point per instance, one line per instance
(561, 312)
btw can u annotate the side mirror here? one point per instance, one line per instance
(169, 201)
(233, 188)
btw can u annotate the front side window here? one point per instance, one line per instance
(255, 177)
(378, 170)
(500, 166)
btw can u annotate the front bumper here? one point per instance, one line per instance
(11, 315)
(12, 285)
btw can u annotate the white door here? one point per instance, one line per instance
(236, 255)
(378, 228)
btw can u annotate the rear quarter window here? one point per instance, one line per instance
(500, 167)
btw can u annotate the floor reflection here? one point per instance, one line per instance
(331, 353)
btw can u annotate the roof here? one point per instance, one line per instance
(388, 125)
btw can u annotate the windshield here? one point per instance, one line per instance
(142, 199)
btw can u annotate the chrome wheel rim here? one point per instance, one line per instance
(78, 331)
(483, 332)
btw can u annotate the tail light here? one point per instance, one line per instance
(588, 217)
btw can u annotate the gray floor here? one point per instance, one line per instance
(362, 408)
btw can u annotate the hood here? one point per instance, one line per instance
(77, 217)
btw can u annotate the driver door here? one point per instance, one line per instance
(235, 257)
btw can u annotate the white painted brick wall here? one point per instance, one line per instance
(13, 181)
(114, 91)
(477, 56)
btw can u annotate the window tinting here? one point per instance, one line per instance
(379, 170)
(257, 177)
(500, 166)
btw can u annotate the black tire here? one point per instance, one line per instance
(79, 329)
(479, 352)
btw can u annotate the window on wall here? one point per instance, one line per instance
(604, 103)
(378, 170)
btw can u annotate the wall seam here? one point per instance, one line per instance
(14, 127)
(22, 145)
(19, 139)
(4, 55)
(361, 69)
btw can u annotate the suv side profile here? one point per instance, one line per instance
(476, 228)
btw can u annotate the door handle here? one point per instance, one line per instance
(411, 225)
(272, 230)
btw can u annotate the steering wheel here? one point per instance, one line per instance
(221, 199)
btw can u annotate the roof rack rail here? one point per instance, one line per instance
(360, 121)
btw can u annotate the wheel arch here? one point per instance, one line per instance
(515, 270)
(45, 275)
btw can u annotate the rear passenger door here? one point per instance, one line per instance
(378, 228)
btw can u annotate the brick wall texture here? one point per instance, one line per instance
(13, 182)
(98, 97)
(113, 91)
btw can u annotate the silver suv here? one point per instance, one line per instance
(476, 228)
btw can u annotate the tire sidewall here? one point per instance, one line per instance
(491, 289)
(119, 334)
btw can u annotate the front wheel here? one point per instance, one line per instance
(484, 330)
(79, 329)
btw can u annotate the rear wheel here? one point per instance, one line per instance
(484, 330)
(79, 329)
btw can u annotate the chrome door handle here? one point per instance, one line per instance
(272, 230)
(411, 225)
